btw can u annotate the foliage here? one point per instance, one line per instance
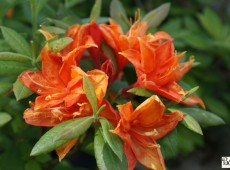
(202, 34)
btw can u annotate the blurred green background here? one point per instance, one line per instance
(200, 27)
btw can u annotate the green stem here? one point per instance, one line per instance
(34, 29)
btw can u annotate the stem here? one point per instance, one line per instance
(34, 29)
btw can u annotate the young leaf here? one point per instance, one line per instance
(105, 157)
(204, 118)
(112, 139)
(140, 92)
(9, 56)
(4, 118)
(21, 91)
(191, 124)
(90, 93)
(58, 44)
(11, 67)
(54, 30)
(96, 10)
(156, 16)
(191, 91)
(58, 23)
(61, 134)
(16, 41)
(117, 12)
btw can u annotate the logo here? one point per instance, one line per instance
(225, 162)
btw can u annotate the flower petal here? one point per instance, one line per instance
(64, 149)
(148, 112)
(193, 100)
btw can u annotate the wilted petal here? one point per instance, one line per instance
(64, 149)
(193, 100)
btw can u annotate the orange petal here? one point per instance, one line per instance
(64, 149)
(193, 100)
(46, 34)
(183, 68)
(148, 58)
(138, 29)
(131, 158)
(45, 117)
(126, 111)
(100, 82)
(162, 36)
(147, 152)
(167, 123)
(148, 112)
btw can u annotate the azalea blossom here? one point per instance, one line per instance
(140, 128)
(59, 86)
(157, 64)
(105, 54)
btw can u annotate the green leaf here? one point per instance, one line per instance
(20, 90)
(4, 46)
(191, 124)
(90, 93)
(71, 3)
(58, 23)
(5, 87)
(16, 41)
(112, 139)
(61, 134)
(212, 23)
(12, 67)
(4, 118)
(117, 12)
(105, 157)
(110, 53)
(9, 56)
(204, 118)
(156, 16)
(32, 165)
(141, 92)
(191, 91)
(58, 44)
(169, 144)
(39, 5)
(5, 6)
(96, 10)
(54, 30)
(197, 41)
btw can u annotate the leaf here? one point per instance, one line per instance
(20, 90)
(191, 91)
(61, 134)
(204, 118)
(4, 46)
(191, 124)
(156, 16)
(58, 44)
(110, 53)
(32, 164)
(112, 139)
(11, 67)
(9, 56)
(5, 87)
(5, 6)
(96, 10)
(90, 93)
(58, 23)
(117, 12)
(39, 6)
(197, 41)
(212, 23)
(105, 157)
(140, 92)
(71, 3)
(169, 144)
(4, 118)
(54, 30)
(16, 41)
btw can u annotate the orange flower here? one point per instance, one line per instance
(156, 64)
(113, 63)
(140, 128)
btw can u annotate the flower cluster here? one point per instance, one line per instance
(61, 96)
